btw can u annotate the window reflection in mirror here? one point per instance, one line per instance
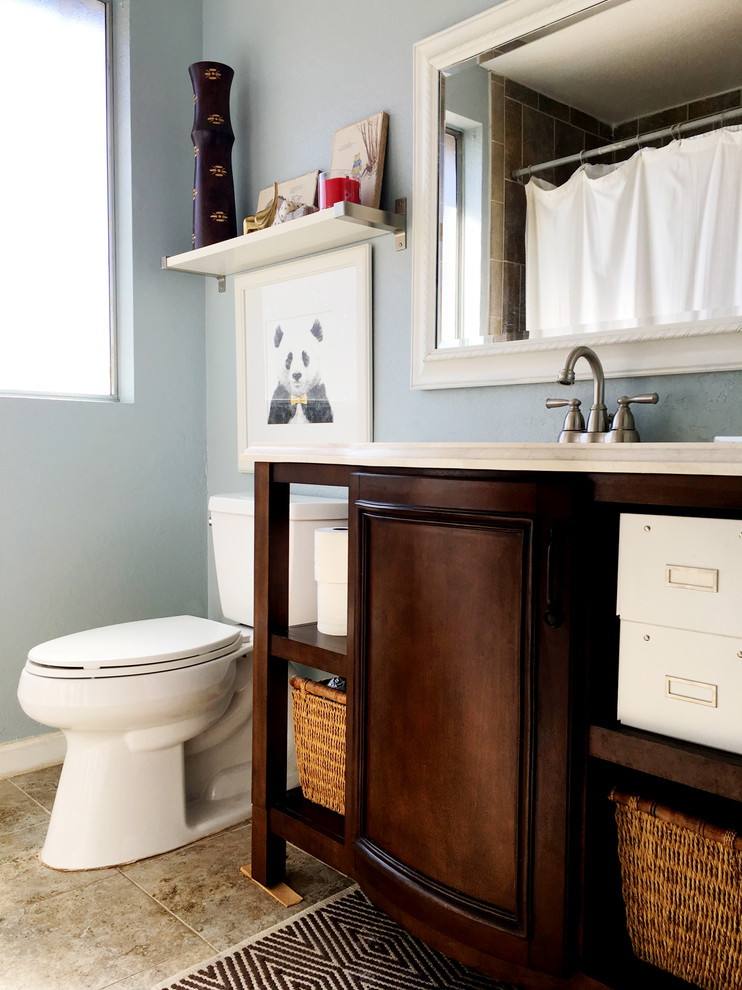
(465, 184)
(450, 267)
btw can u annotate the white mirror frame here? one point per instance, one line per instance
(671, 349)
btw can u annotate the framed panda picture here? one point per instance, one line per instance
(304, 352)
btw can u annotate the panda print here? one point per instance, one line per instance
(300, 394)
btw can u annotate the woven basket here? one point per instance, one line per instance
(682, 889)
(319, 734)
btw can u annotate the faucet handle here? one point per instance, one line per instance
(623, 427)
(574, 423)
(624, 418)
(650, 397)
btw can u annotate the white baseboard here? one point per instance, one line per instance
(21, 755)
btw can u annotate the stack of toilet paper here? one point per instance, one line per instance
(331, 575)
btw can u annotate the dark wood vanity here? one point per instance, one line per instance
(481, 663)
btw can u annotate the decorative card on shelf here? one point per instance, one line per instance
(304, 351)
(360, 150)
(294, 196)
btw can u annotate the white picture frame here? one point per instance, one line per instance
(304, 352)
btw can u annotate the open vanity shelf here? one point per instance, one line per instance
(282, 815)
(306, 645)
(339, 226)
(688, 764)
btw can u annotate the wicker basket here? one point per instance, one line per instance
(319, 734)
(682, 889)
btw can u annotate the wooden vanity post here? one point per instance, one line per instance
(269, 675)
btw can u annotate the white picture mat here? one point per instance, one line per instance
(334, 288)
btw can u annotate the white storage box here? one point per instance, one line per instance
(682, 572)
(682, 684)
(234, 551)
(680, 603)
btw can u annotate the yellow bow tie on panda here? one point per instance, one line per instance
(299, 400)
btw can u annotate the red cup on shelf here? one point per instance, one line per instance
(335, 186)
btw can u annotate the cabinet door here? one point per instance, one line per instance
(461, 712)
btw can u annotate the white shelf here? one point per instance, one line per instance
(338, 226)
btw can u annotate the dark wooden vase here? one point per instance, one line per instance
(213, 185)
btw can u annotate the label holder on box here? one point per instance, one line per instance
(677, 688)
(692, 578)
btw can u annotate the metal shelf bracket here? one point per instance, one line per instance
(400, 235)
(221, 280)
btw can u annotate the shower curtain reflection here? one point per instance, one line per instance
(656, 239)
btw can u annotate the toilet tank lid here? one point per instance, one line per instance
(301, 506)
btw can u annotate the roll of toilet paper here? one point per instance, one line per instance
(331, 575)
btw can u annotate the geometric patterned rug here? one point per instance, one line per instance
(342, 943)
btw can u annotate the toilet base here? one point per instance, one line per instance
(114, 806)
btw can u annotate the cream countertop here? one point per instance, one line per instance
(723, 459)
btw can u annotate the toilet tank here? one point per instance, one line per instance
(233, 532)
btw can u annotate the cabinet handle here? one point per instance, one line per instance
(554, 614)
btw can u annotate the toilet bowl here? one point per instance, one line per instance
(157, 713)
(136, 703)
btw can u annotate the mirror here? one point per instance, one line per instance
(530, 83)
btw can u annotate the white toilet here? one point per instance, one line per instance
(157, 713)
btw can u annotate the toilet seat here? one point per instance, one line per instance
(141, 647)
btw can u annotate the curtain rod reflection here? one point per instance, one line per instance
(674, 131)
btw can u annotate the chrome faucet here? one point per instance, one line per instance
(597, 421)
(599, 427)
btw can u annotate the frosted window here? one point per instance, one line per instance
(56, 326)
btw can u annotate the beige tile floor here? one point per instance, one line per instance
(126, 928)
